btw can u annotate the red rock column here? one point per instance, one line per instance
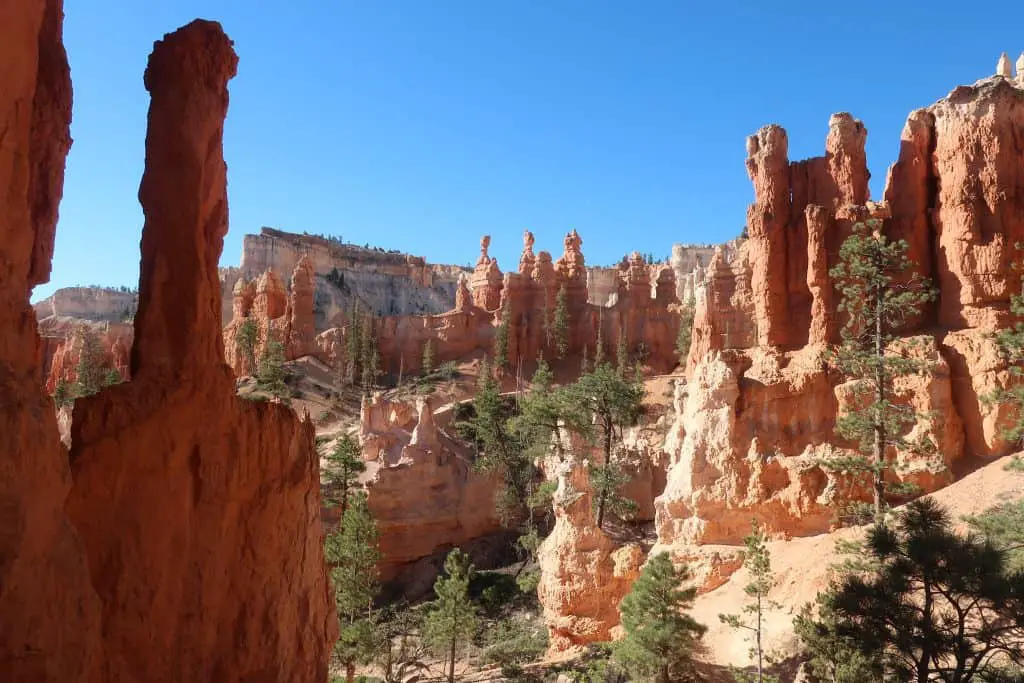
(767, 218)
(49, 613)
(200, 511)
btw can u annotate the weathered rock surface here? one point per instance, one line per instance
(49, 610)
(189, 546)
(585, 573)
(422, 489)
(88, 303)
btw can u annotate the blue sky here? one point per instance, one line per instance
(422, 124)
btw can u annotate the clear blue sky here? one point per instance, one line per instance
(422, 124)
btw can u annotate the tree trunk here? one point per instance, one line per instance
(760, 657)
(350, 672)
(603, 496)
(451, 664)
(879, 425)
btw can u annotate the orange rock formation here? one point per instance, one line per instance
(422, 489)
(193, 520)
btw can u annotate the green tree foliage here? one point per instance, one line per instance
(248, 338)
(877, 295)
(622, 354)
(353, 343)
(660, 637)
(614, 403)
(369, 364)
(834, 657)
(585, 360)
(941, 607)
(353, 551)
(402, 655)
(63, 394)
(1010, 342)
(757, 561)
(451, 620)
(341, 475)
(501, 338)
(685, 336)
(111, 377)
(560, 324)
(271, 375)
(90, 374)
(1003, 526)
(428, 357)
(515, 641)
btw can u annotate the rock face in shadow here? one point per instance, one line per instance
(189, 546)
(49, 610)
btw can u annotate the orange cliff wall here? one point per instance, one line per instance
(645, 312)
(185, 541)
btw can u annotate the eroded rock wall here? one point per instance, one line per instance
(49, 609)
(185, 541)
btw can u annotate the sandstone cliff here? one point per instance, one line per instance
(88, 303)
(189, 545)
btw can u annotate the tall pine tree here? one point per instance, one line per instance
(685, 336)
(451, 620)
(878, 294)
(757, 562)
(353, 551)
(560, 323)
(341, 475)
(614, 402)
(660, 637)
(90, 373)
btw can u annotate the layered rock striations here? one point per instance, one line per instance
(185, 541)
(64, 340)
(386, 283)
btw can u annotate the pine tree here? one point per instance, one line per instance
(248, 339)
(560, 324)
(271, 374)
(599, 344)
(1003, 527)
(501, 338)
(354, 553)
(1010, 342)
(834, 657)
(428, 357)
(354, 343)
(584, 361)
(89, 374)
(685, 336)
(63, 394)
(877, 296)
(660, 636)
(621, 354)
(940, 607)
(341, 475)
(451, 620)
(757, 561)
(111, 377)
(370, 360)
(614, 403)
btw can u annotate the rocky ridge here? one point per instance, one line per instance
(757, 409)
